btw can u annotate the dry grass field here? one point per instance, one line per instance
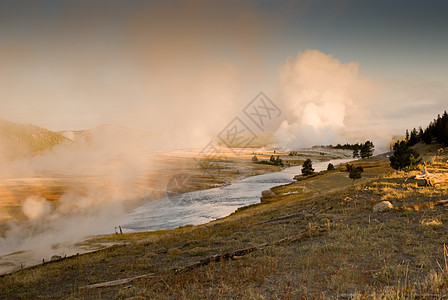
(317, 238)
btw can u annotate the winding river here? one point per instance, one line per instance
(199, 207)
(191, 208)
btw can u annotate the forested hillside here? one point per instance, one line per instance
(435, 132)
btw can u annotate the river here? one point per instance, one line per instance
(199, 207)
(193, 208)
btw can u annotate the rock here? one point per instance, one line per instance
(383, 206)
(268, 193)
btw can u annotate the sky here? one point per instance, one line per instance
(338, 70)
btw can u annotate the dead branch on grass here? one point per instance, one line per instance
(235, 255)
(422, 205)
(116, 282)
(431, 179)
(286, 218)
(239, 253)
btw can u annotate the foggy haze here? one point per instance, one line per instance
(182, 70)
(143, 77)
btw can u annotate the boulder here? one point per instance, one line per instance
(383, 206)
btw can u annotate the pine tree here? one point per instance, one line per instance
(404, 157)
(413, 139)
(367, 149)
(307, 167)
(436, 131)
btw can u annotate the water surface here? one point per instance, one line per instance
(202, 206)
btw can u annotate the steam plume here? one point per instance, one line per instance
(325, 100)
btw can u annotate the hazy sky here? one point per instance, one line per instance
(196, 64)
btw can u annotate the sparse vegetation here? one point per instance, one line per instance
(359, 149)
(274, 161)
(399, 254)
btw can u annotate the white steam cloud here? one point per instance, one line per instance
(36, 208)
(324, 100)
(96, 179)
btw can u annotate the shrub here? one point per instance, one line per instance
(355, 173)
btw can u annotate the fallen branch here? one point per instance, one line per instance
(286, 218)
(115, 282)
(431, 179)
(235, 255)
(239, 253)
(422, 205)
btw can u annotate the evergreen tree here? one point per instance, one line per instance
(278, 161)
(330, 167)
(437, 131)
(413, 139)
(307, 167)
(404, 157)
(367, 149)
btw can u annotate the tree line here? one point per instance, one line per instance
(360, 150)
(406, 158)
(435, 132)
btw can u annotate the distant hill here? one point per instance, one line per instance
(112, 137)
(18, 140)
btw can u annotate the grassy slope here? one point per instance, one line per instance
(360, 254)
(18, 139)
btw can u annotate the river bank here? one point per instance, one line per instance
(34, 242)
(317, 237)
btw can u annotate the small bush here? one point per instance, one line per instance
(355, 173)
